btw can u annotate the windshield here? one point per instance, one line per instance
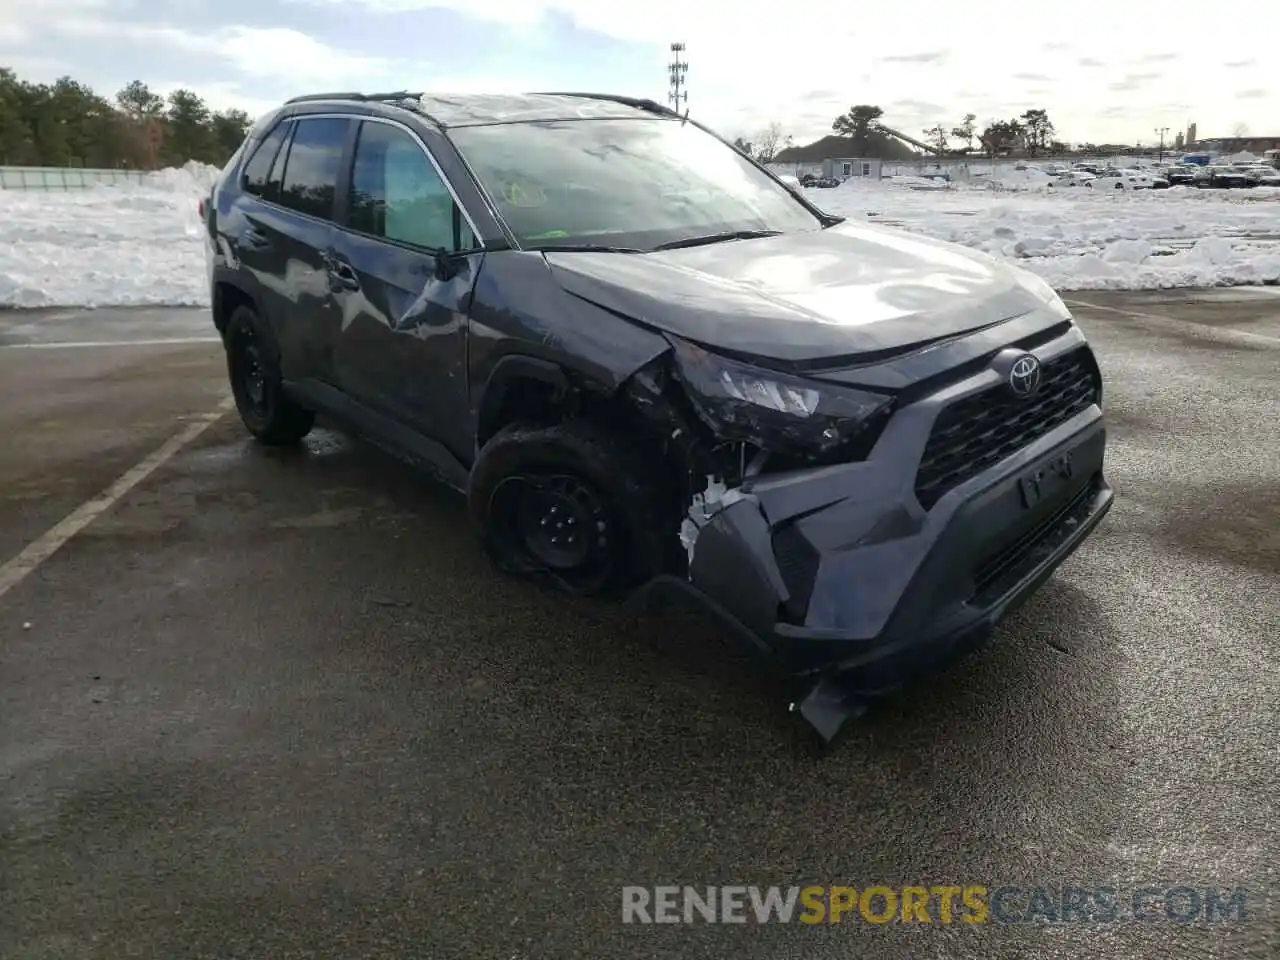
(624, 183)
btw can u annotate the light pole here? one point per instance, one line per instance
(677, 70)
(1160, 132)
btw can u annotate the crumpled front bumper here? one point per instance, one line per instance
(851, 589)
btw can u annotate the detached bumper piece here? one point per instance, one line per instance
(851, 592)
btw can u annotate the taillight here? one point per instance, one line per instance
(201, 209)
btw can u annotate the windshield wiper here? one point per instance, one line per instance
(581, 248)
(717, 238)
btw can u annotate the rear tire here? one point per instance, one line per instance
(574, 504)
(253, 366)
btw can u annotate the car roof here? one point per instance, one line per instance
(478, 109)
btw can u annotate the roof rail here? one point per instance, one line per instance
(640, 103)
(353, 95)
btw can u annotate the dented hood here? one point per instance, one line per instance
(825, 295)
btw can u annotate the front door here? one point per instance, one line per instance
(403, 266)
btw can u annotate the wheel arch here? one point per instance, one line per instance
(229, 295)
(520, 385)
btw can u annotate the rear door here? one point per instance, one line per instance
(405, 260)
(303, 229)
(247, 245)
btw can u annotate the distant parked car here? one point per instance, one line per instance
(1228, 178)
(1073, 178)
(1265, 176)
(1182, 174)
(1127, 179)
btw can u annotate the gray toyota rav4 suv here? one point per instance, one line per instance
(652, 367)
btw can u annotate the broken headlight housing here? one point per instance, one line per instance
(777, 412)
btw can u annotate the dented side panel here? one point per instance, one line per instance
(401, 345)
(520, 309)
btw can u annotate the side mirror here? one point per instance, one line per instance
(446, 267)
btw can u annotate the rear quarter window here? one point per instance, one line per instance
(258, 169)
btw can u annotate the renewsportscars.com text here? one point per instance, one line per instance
(939, 904)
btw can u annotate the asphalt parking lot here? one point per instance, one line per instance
(267, 704)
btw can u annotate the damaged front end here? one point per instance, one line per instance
(732, 426)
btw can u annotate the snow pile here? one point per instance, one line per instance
(125, 244)
(1028, 179)
(1081, 240)
(143, 243)
(191, 176)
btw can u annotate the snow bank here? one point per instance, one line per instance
(142, 243)
(128, 244)
(1081, 240)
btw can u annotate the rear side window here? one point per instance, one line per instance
(277, 168)
(397, 194)
(259, 166)
(311, 170)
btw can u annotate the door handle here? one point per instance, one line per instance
(254, 238)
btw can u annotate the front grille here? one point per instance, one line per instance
(981, 430)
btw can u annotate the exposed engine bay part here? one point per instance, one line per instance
(703, 507)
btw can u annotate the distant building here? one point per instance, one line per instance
(852, 167)
(837, 167)
(1258, 145)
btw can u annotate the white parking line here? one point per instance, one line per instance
(80, 344)
(38, 551)
(1184, 325)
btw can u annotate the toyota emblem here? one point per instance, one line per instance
(1024, 376)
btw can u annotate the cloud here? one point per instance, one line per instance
(1134, 81)
(277, 53)
(915, 108)
(745, 69)
(290, 54)
(929, 56)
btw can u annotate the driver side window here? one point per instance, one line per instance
(396, 193)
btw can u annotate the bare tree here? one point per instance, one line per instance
(1240, 130)
(966, 130)
(936, 137)
(768, 141)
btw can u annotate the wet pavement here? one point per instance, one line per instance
(274, 704)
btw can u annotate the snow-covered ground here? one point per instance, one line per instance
(107, 245)
(141, 244)
(1079, 239)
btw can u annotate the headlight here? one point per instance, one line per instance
(775, 411)
(1045, 293)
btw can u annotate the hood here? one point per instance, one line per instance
(805, 298)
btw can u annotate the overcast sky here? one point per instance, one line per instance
(1113, 70)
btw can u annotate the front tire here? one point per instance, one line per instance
(253, 366)
(574, 504)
